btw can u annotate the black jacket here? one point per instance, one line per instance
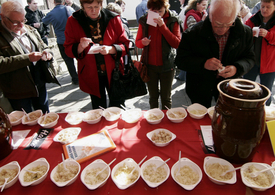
(34, 17)
(199, 44)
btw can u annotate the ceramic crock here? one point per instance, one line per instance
(239, 119)
(5, 135)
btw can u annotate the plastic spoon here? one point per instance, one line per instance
(26, 114)
(44, 118)
(99, 172)
(162, 164)
(123, 107)
(224, 173)
(130, 175)
(34, 172)
(3, 186)
(178, 173)
(171, 111)
(255, 174)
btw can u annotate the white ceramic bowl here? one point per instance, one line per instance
(50, 120)
(15, 117)
(34, 116)
(176, 115)
(94, 165)
(93, 116)
(38, 162)
(211, 160)
(67, 135)
(155, 161)
(195, 168)
(269, 113)
(197, 111)
(210, 111)
(131, 115)
(154, 116)
(68, 162)
(129, 162)
(112, 113)
(74, 118)
(259, 166)
(12, 165)
(156, 132)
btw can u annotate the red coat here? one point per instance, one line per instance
(267, 50)
(87, 69)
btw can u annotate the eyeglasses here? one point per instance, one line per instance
(218, 25)
(17, 23)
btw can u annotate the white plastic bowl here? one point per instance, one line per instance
(74, 118)
(259, 166)
(210, 111)
(129, 162)
(156, 131)
(192, 165)
(155, 112)
(195, 108)
(41, 121)
(96, 164)
(69, 162)
(36, 113)
(112, 113)
(67, 135)
(11, 165)
(41, 162)
(176, 119)
(156, 161)
(15, 117)
(211, 160)
(93, 116)
(131, 115)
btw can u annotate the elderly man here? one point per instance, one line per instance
(71, 3)
(22, 61)
(141, 9)
(218, 48)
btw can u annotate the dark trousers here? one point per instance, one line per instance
(69, 63)
(160, 84)
(31, 104)
(96, 101)
(265, 79)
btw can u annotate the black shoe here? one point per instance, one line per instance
(75, 82)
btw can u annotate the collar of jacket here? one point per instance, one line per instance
(257, 20)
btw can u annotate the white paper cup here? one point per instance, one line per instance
(256, 30)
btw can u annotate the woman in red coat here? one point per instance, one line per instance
(95, 25)
(264, 45)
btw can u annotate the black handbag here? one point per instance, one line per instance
(127, 85)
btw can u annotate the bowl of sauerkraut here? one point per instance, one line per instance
(152, 175)
(121, 173)
(15, 117)
(161, 137)
(48, 120)
(154, 116)
(197, 111)
(214, 168)
(89, 175)
(31, 118)
(93, 116)
(176, 115)
(186, 173)
(39, 168)
(11, 171)
(65, 174)
(112, 113)
(263, 181)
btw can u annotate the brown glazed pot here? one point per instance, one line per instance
(239, 119)
(5, 135)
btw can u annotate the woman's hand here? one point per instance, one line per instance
(263, 32)
(46, 56)
(107, 50)
(159, 21)
(84, 42)
(204, 15)
(145, 41)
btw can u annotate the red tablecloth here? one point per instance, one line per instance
(131, 142)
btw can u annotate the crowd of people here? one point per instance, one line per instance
(209, 41)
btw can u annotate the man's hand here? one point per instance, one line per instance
(35, 56)
(36, 25)
(213, 64)
(229, 71)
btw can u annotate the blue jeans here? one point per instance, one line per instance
(33, 103)
(266, 79)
